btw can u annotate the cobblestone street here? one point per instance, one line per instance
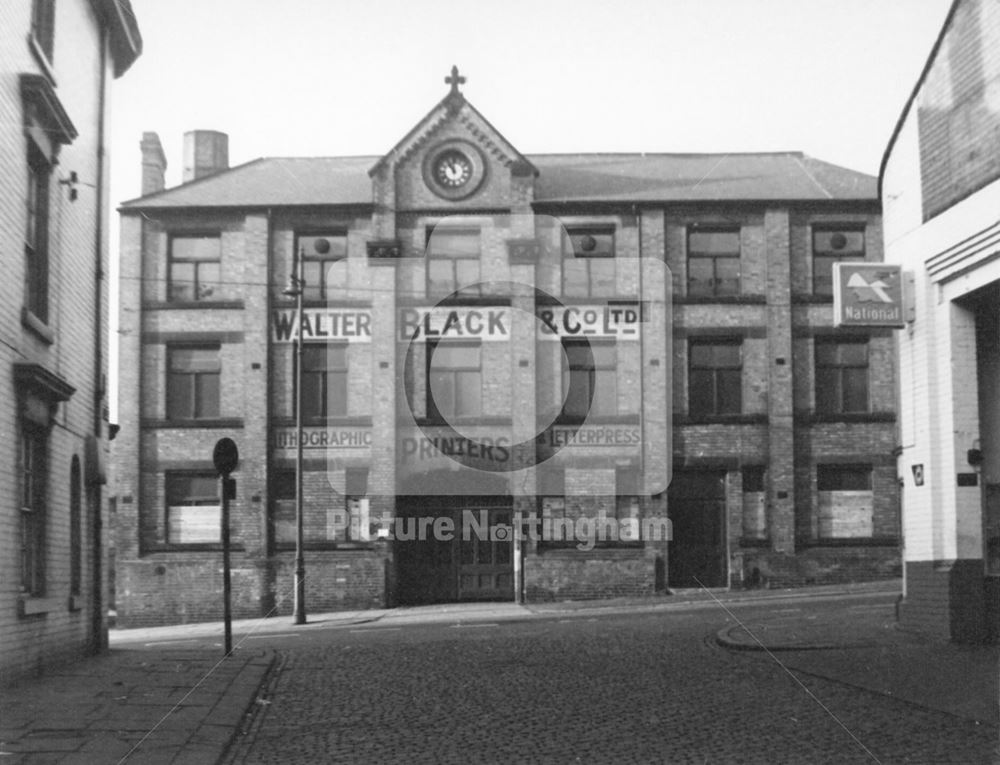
(623, 688)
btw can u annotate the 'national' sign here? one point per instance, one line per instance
(867, 295)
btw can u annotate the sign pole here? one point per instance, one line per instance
(227, 617)
(226, 457)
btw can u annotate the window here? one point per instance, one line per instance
(324, 381)
(33, 476)
(454, 380)
(713, 262)
(833, 246)
(43, 25)
(324, 265)
(194, 268)
(453, 261)
(334, 518)
(75, 527)
(36, 239)
(715, 377)
(841, 377)
(193, 383)
(845, 503)
(589, 262)
(754, 513)
(193, 510)
(590, 382)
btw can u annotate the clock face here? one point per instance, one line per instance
(452, 169)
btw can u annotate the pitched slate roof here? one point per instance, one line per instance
(279, 181)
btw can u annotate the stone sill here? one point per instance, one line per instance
(32, 606)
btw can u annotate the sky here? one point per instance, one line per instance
(351, 77)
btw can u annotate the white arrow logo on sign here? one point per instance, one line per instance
(859, 285)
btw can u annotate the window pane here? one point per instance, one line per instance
(180, 396)
(313, 404)
(195, 247)
(208, 280)
(468, 276)
(580, 355)
(604, 355)
(313, 357)
(312, 274)
(335, 276)
(453, 243)
(726, 355)
(182, 281)
(602, 277)
(208, 395)
(442, 390)
(468, 393)
(591, 243)
(843, 478)
(699, 276)
(826, 354)
(455, 356)
(701, 355)
(194, 360)
(336, 356)
(727, 276)
(575, 279)
(823, 276)
(853, 354)
(701, 392)
(336, 397)
(714, 242)
(839, 242)
(730, 392)
(323, 246)
(855, 390)
(577, 398)
(828, 393)
(605, 401)
(441, 277)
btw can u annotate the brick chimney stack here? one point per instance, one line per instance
(154, 164)
(205, 152)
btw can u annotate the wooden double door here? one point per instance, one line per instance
(475, 561)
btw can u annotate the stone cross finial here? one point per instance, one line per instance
(454, 80)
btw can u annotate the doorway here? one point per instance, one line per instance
(696, 505)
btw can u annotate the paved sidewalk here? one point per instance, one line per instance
(131, 706)
(868, 650)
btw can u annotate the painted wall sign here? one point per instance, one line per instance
(440, 322)
(323, 438)
(592, 435)
(867, 295)
(323, 325)
(616, 320)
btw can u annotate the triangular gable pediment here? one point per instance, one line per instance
(454, 109)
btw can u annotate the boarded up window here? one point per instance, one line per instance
(845, 502)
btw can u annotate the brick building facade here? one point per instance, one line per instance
(58, 60)
(940, 183)
(497, 337)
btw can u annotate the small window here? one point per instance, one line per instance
(834, 245)
(193, 377)
(590, 380)
(194, 268)
(193, 509)
(324, 264)
(841, 376)
(75, 527)
(43, 25)
(453, 261)
(454, 380)
(33, 480)
(589, 262)
(324, 381)
(715, 377)
(845, 505)
(36, 238)
(713, 262)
